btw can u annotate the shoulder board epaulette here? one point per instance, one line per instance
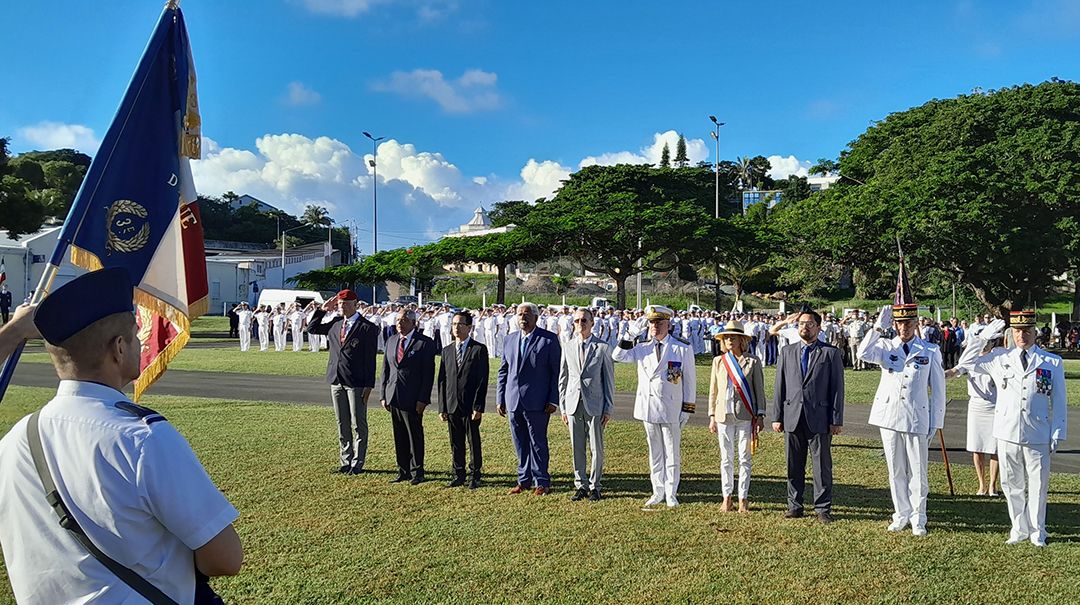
(148, 416)
(685, 342)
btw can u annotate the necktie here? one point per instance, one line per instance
(521, 346)
(907, 349)
(659, 350)
(344, 330)
(1024, 359)
(584, 350)
(805, 359)
(400, 348)
(460, 354)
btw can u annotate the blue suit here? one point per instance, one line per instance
(526, 385)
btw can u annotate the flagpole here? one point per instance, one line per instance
(44, 285)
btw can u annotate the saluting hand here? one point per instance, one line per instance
(331, 305)
(777, 427)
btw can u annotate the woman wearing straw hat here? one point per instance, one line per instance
(736, 408)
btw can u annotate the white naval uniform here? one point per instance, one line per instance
(314, 342)
(658, 404)
(908, 407)
(243, 327)
(280, 333)
(1029, 417)
(263, 319)
(132, 483)
(296, 322)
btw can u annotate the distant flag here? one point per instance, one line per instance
(904, 305)
(3, 272)
(136, 207)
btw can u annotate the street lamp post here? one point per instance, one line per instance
(283, 251)
(716, 137)
(374, 199)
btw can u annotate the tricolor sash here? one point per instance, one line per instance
(738, 381)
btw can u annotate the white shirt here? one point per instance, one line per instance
(132, 483)
(348, 322)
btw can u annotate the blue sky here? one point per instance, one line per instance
(487, 100)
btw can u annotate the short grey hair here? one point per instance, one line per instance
(409, 314)
(532, 308)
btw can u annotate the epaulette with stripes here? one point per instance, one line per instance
(148, 416)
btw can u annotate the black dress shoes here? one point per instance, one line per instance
(594, 496)
(474, 483)
(825, 517)
(400, 479)
(342, 470)
(356, 470)
(580, 494)
(418, 479)
(457, 482)
(793, 514)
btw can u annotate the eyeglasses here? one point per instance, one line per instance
(581, 321)
(808, 323)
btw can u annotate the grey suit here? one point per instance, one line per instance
(586, 395)
(806, 406)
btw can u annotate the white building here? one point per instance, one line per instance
(26, 257)
(480, 224)
(249, 200)
(821, 183)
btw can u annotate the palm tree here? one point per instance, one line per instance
(737, 271)
(745, 169)
(316, 215)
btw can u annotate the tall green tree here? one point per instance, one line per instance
(825, 167)
(500, 249)
(316, 215)
(681, 159)
(665, 156)
(610, 217)
(509, 212)
(982, 187)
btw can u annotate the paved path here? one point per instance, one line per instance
(313, 391)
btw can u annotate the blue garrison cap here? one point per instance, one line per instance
(82, 301)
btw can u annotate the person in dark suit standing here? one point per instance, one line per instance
(809, 409)
(350, 373)
(528, 390)
(463, 386)
(5, 302)
(407, 377)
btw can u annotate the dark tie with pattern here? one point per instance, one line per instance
(460, 354)
(805, 359)
(400, 348)
(1024, 359)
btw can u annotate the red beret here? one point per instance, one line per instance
(347, 295)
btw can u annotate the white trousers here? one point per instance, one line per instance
(245, 338)
(664, 442)
(297, 339)
(1025, 467)
(313, 343)
(264, 337)
(279, 338)
(906, 457)
(734, 435)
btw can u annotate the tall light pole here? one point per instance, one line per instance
(716, 137)
(374, 200)
(283, 250)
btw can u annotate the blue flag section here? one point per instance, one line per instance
(130, 201)
(131, 193)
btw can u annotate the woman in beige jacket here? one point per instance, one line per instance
(734, 420)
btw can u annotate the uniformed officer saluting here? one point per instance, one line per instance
(908, 407)
(666, 393)
(127, 477)
(1029, 418)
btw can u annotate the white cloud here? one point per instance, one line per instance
(696, 151)
(475, 90)
(56, 135)
(341, 8)
(538, 179)
(299, 95)
(783, 167)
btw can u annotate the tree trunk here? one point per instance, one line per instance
(500, 291)
(620, 291)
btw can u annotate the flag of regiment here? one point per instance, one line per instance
(136, 208)
(3, 272)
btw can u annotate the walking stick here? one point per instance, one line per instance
(945, 456)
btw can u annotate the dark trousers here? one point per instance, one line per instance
(529, 433)
(462, 428)
(819, 445)
(4, 312)
(408, 441)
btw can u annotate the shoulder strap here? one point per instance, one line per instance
(138, 583)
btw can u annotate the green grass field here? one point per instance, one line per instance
(315, 538)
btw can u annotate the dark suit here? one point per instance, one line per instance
(350, 369)
(806, 406)
(462, 391)
(405, 384)
(526, 385)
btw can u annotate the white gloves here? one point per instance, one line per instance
(993, 330)
(885, 318)
(634, 329)
(1054, 445)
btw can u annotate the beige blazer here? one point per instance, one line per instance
(719, 385)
